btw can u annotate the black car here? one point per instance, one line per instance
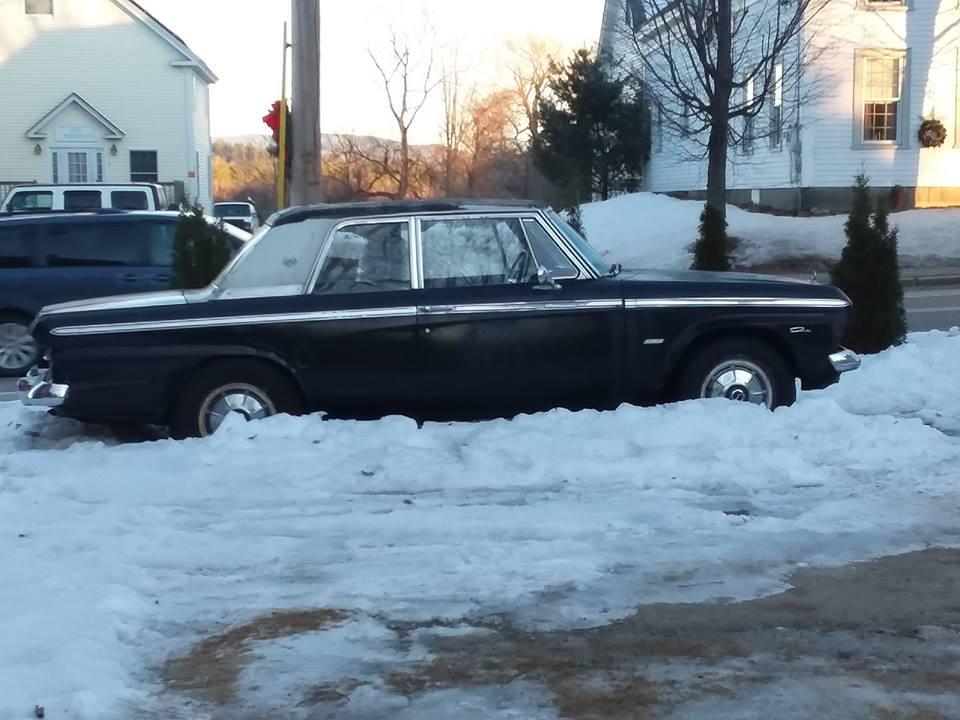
(432, 310)
(56, 257)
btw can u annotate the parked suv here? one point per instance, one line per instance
(57, 257)
(243, 215)
(78, 198)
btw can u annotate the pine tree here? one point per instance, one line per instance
(575, 219)
(200, 250)
(869, 273)
(712, 251)
(594, 137)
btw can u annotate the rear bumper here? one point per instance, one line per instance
(37, 389)
(844, 361)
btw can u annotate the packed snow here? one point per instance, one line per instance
(119, 556)
(644, 230)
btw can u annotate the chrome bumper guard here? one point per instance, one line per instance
(845, 361)
(37, 389)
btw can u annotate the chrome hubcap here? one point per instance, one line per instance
(739, 380)
(17, 348)
(250, 402)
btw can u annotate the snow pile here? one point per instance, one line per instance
(644, 230)
(116, 558)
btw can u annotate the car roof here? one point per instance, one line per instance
(67, 186)
(397, 207)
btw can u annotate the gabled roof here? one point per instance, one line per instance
(38, 131)
(191, 59)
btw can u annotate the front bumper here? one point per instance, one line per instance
(37, 389)
(844, 360)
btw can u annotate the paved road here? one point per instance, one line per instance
(927, 309)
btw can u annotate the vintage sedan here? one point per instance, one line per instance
(435, 310)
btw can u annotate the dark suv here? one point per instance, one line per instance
(52, 258)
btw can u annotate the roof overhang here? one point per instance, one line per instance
(39, 130)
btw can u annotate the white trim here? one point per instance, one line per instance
(636, 304)
(38, 131)
(191, 59)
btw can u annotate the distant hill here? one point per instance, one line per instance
(328, 141)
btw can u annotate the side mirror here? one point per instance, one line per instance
(545, 280)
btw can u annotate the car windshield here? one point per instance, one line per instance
(232, 210)
(586, 250)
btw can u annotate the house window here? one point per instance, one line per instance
(658, 129)
(881, 84)
(776, 109)
(143, 166)
(99, 167)
(77, 167)
(56, 167)
(749, 120)
(38, 7)
(685, 119)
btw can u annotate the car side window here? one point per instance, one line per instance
(366, 258)
(547, 253)
(160, 237)
(469, 252)
(128, 200)
(16, 247)
(82, 200)
(94, 245)
(25, 200)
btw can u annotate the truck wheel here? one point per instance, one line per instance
(252, 389)
(18, 351)
(739, 369)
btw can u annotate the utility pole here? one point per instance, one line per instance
(282, 143)
(305, 185)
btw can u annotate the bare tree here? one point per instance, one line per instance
(408, 79)
(455, 120)
(712, 66)
(489, 139)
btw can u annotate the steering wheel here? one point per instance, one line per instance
(518, 267)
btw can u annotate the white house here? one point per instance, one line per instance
(880, 69)
(101, 91)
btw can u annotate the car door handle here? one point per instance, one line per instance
(162, 277)
(436, 309)
(130, 278)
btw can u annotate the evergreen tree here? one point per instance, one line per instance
(575, 219)
(200, 250)
(595, 137)
(869, 273)
(712, 251)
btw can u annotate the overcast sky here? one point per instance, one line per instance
(241, 43)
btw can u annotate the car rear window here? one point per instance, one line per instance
(31, 200)
(82, 200)
(16, 247)
(232, 210)
(129, 200)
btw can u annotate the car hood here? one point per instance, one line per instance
(698, 276)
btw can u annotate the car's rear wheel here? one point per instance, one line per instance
(18, 350)
(250, 389)
(742, 370)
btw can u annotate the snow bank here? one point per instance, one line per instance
(116, 557)
(654, 231)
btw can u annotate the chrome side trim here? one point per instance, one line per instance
(653, 341)
(635, 304)
(521, 307)
(237, 321)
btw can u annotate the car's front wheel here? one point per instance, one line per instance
(742, 370)
(18, 350)
(250, 389)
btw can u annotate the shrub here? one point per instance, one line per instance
(200, 250)
(869, 273)
(713, 248)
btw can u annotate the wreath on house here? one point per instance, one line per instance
(932, 134)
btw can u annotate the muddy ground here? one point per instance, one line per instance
(878, 640)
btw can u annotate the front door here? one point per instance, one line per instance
(496, 342)
(77, 165)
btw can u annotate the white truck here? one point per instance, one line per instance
(78, 198)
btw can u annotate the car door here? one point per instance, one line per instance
(361, 349)
(83, 258)
(494, 340)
